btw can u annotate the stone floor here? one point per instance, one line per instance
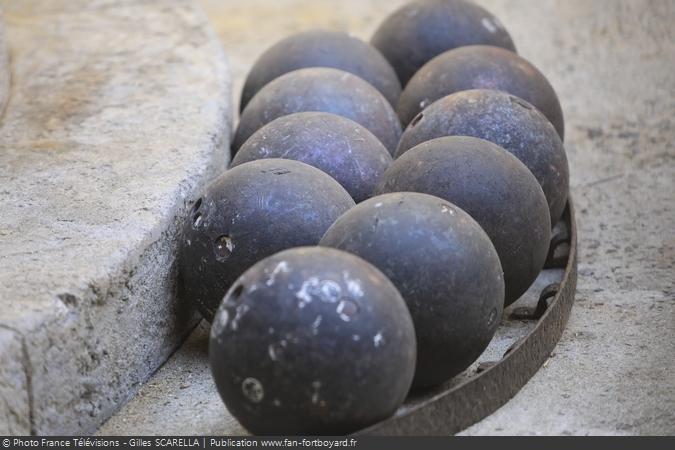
(613, 65)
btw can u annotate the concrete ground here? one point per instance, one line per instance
(613, 65)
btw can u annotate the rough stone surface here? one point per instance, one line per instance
(180, 399)
(611, 62)
(118, 115)
(4, 68)
(14, 410)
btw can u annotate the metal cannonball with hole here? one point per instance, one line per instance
(494, 188)
(507, 121)
(312, 341)
(444, 266)
(421, 30)
(322, 48)
(480, 67)
(250, 212)
(340, 147)
(324, 90)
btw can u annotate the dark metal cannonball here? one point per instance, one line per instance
(340, 147)
(421, 30)
(507, 121)
(321, 48)
(248, 213)
(444, 266)
(480, 67)
(494, 187)
(312, 341)
(324, 90)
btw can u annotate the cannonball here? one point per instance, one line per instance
(340, 147)
(506, 120)
(248, 213)
(322, 48)
(480, 67)
(312, 341)
(421, 30)
(324, 90)
(444, 266)
(494, 188)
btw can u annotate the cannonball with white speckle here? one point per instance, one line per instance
(312, 341)
(492, 186)
(422, 29)
(443, 264)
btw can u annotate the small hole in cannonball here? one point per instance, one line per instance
(253, 390)
(223, 247)
(417, 119)
(347, 309)
(197, 205)
(236, 293)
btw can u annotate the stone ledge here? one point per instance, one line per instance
(118, 116)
